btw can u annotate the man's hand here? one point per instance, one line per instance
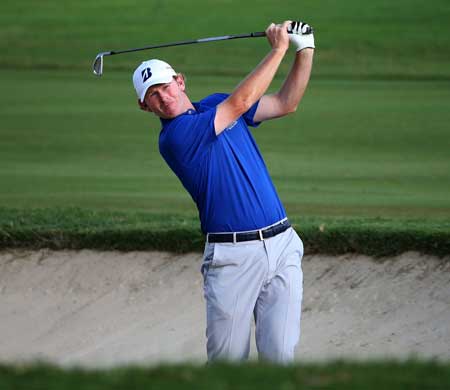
(301, 35)
(277, 35)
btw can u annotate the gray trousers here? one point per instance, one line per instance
(259, 278)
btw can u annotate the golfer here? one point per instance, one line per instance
(252, 259)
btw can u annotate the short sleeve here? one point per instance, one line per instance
(250, 114)
(188, 137)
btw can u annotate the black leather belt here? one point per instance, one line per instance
(250, 236)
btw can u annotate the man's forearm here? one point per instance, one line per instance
(297, 80)
(252, 88)
(248, 91)
(258, 81)
(288, 97)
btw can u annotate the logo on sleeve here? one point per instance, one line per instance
(231, 126)
(146, 74)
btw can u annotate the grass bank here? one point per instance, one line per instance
(335, 375)
(74, 228)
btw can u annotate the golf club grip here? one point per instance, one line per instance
(251, 35)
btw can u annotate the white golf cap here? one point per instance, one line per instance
(149, 73)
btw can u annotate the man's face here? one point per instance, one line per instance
(166, 100)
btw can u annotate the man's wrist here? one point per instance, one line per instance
(279, 50)
(306, 51)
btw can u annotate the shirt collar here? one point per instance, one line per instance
(197, 109)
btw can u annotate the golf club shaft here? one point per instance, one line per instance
(98, 62)
(202, 40)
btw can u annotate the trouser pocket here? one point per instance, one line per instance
(208, 256)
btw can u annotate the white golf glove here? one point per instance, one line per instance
(301, 35)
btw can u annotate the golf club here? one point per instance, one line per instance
(98, 62)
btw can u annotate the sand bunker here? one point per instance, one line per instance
(108, 308)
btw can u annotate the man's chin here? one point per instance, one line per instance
(167, 115)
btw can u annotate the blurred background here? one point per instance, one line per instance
(371, 138)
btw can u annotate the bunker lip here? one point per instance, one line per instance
(100, 309)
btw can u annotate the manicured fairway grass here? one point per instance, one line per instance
(369, 141)
(354, 148)
(400, 38)
(335, 375)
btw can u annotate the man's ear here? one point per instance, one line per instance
(143, 106)
(179, 78)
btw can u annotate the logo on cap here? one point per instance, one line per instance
(146, 74)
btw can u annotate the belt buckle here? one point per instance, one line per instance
(261, 237)
(234, 238)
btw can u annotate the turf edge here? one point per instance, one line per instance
(75, 228)
(331, 375)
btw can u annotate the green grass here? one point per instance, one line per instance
(368, 144)
(79, 228)
(335, 375)
(354, 148)
(405, 38)
(363, 166)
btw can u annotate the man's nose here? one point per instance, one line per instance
(163, 97)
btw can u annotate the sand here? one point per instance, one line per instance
(101, 309)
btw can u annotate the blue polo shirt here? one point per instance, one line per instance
(225, 175)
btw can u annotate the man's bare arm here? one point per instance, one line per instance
(287, 99)
(250, 90)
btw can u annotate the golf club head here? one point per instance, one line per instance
(97, 66)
